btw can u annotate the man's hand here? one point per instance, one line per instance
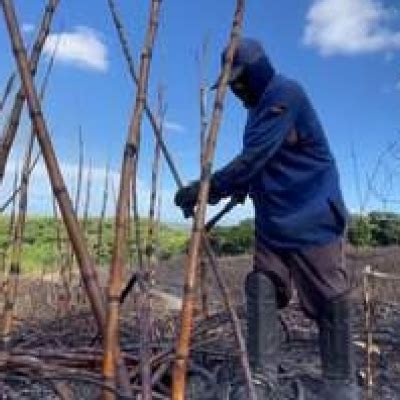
(186, 198)
(240, 196)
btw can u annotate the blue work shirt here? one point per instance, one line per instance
(288, 170)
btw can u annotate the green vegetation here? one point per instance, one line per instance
(40, 244)
(375, 229)
(232, 240)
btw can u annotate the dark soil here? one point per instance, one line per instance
(66, 345)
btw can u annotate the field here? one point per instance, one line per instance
(65, 339)
(114, 308)
(40, 247)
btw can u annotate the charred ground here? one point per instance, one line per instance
(54, 344)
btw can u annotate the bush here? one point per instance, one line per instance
(374, 229)
(233, 240)
(39, 245)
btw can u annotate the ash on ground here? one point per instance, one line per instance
(67, 346)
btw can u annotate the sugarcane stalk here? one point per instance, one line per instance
(87, 270)
(16, 190)
(103, 210)
(62, 266)
(153, 121)
(113, 194)
(11, 127)
(85, 216)
(203, 132)
(70, 253)
(57, 228)
(156, 128)
(128, 58)
(132, 71)
(145, 277)
(11, 221)
(127, 179)
(368, 331)
(56, 179)
(204, 122)
(159, 208)
(79, 175)
(59, 237)
(233, 316)
(3, 254)
(129, 230)
(182, 346)
(10, 227)
(143, 305)
(7, 90)
(203, 287)
(37, 157)
(15, 267)
(136, 219)
(19, 229)
(155, 176)
(66, 248)
(203, 100)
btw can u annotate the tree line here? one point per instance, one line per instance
(370, 230)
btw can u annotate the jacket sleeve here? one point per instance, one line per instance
(265, 132)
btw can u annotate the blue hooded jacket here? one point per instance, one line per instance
(286, 166)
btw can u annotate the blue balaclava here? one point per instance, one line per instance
(252, 66)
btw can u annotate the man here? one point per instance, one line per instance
(288, 170)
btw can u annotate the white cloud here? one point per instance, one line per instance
(82, 47)
(28, 28)
(174, 126)
(350, 27)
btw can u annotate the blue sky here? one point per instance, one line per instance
(344, 52)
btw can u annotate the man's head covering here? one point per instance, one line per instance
(248, 53)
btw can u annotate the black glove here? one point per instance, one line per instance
(240, 196)
(186, 198)
(213, 196)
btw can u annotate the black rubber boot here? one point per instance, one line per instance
(262, 338)
(336, 351)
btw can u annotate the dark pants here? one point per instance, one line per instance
(319, 274)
